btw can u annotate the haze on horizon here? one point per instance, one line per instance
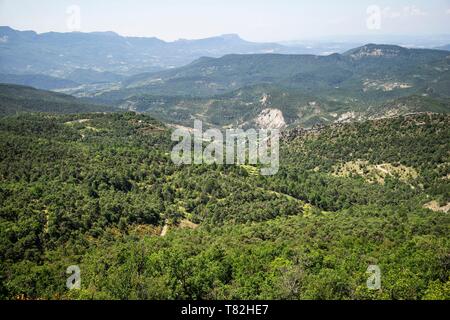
(280, 20)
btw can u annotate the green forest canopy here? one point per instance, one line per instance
(95, 189)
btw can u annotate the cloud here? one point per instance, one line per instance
(447, 12)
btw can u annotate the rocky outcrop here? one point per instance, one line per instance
(270, 119)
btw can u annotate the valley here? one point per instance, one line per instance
(88, 178)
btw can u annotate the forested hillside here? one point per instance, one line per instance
(308, 73)
(96, 190)
(16, 99)
(236, 90)
(37, 81)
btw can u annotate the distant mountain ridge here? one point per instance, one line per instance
(209, 76)
(58, 54)
(446, 47)
(237, 90)
(370, 81)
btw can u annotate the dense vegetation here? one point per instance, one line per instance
(333, 74)
(95, 190)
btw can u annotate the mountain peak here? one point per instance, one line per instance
(105, 33)
(231, 36)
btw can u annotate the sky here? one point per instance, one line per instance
(253, 20)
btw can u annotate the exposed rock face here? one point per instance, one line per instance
(374, 51)
(434, 205)
(346, 117)
(270, 119)
(129, 105)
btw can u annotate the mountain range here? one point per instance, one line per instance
(237, 90)
(87, 178)
(60, 54)
(227, 81)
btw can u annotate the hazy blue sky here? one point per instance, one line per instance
(257, 20)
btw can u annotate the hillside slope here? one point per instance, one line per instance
(96, 189)
(209, 76)
(235, 90)
(16, 99)
(37, 81)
